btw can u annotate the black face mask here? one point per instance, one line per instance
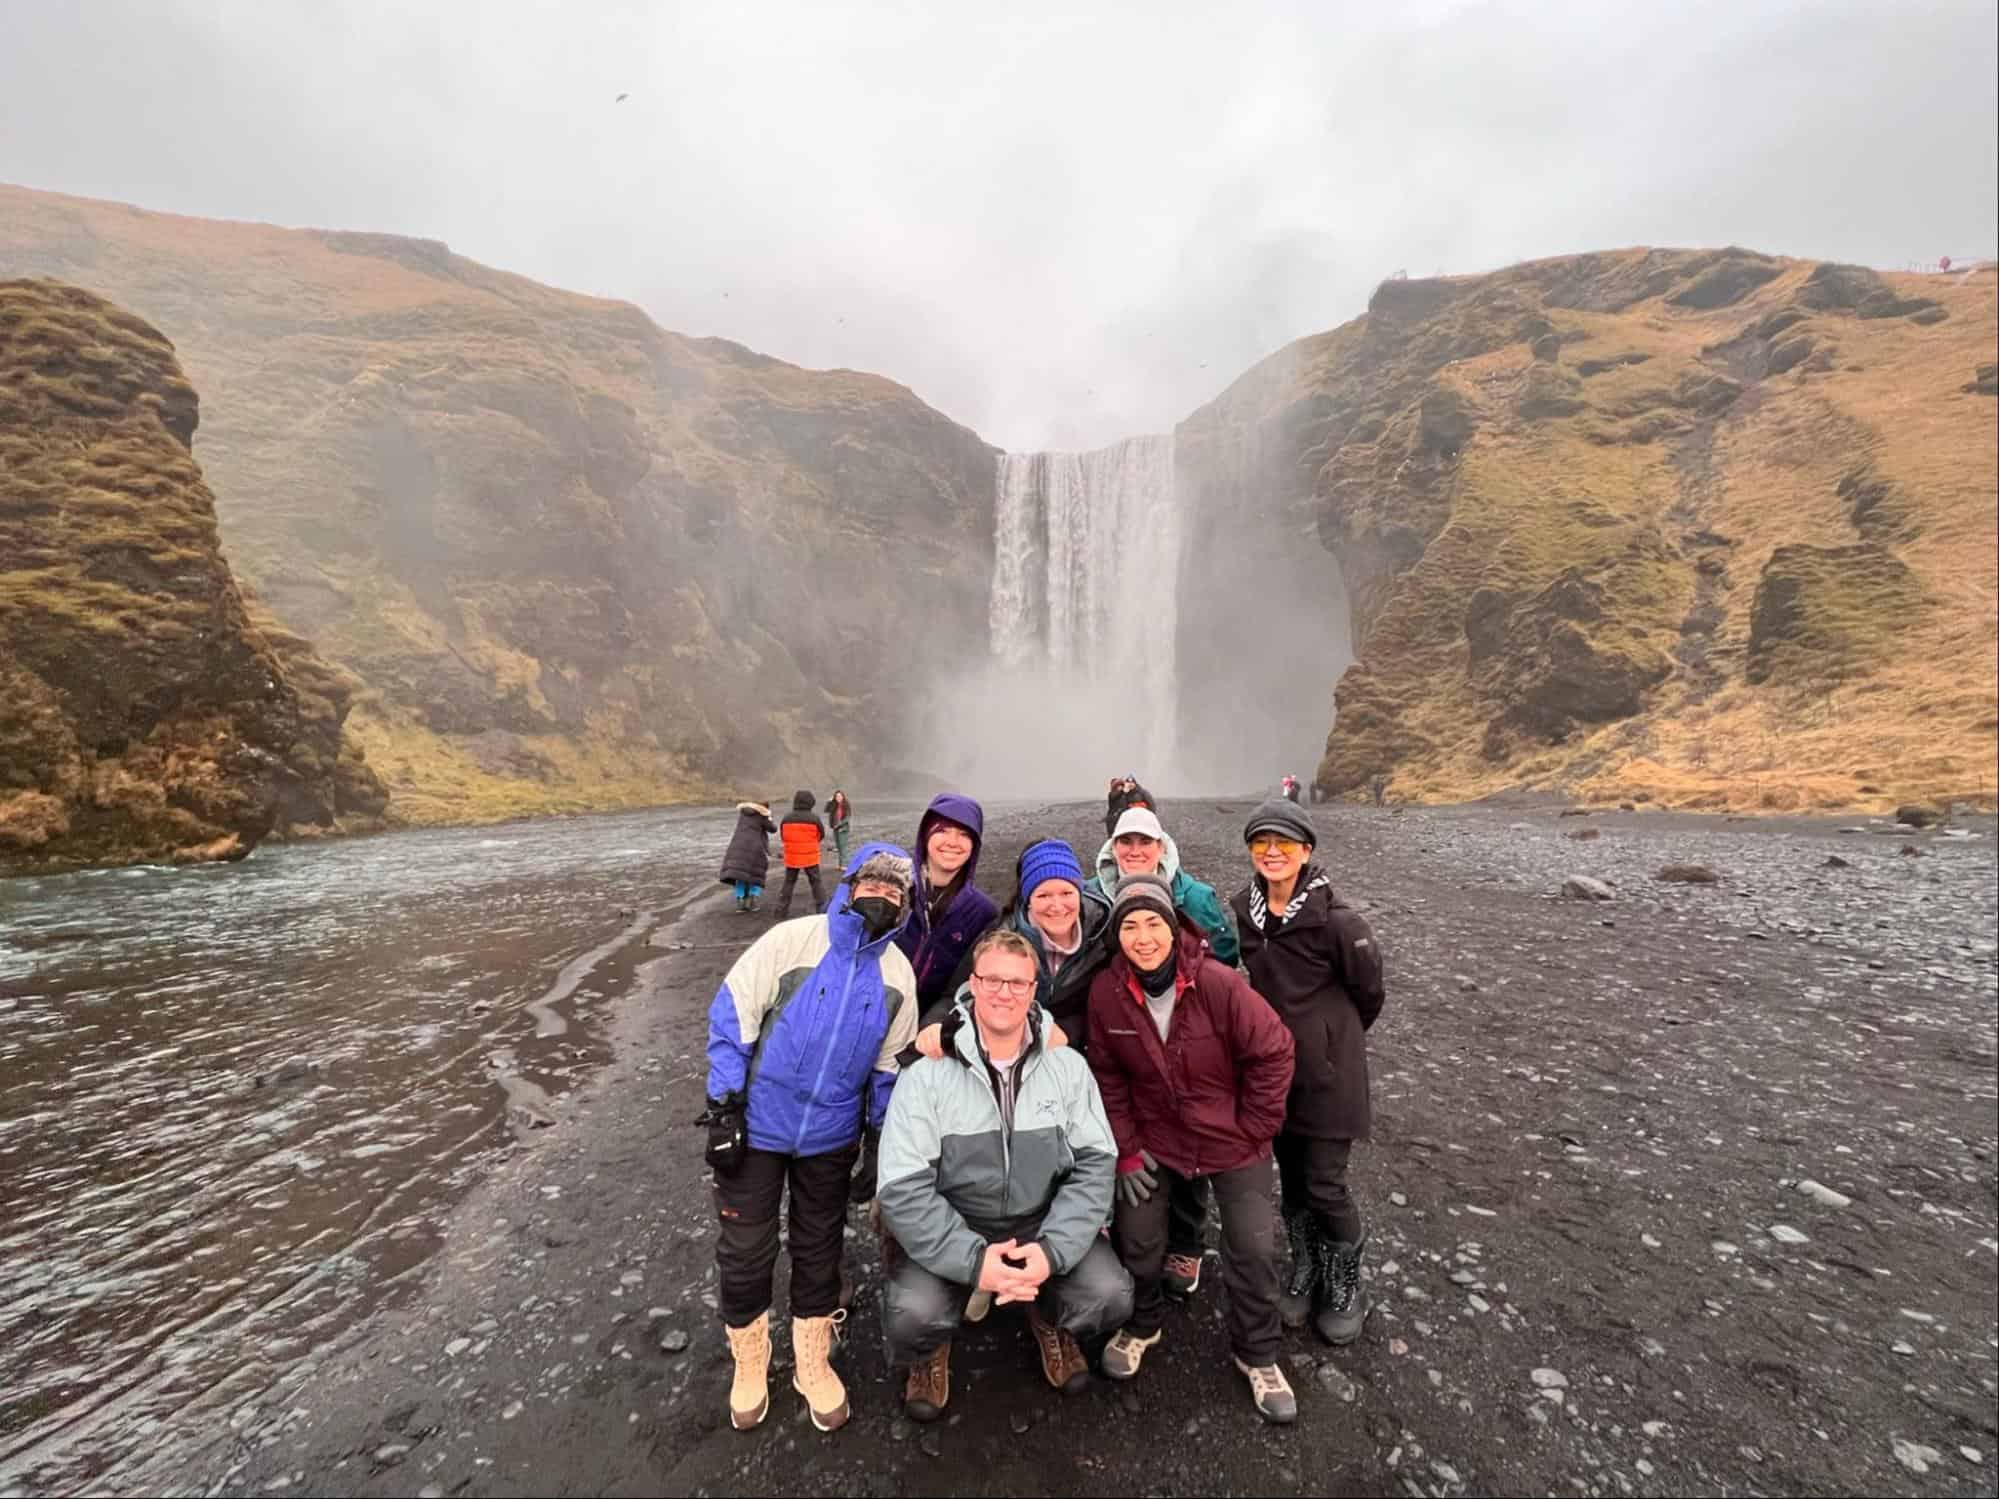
(877, 912)
(1157, 982)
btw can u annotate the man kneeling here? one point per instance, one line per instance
(996, 1172)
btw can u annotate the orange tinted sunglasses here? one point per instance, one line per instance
(1264, 843)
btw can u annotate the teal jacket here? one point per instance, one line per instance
(1196, 901)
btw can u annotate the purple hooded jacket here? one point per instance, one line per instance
(934, 952)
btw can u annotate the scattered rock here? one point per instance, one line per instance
(1337, 1382)
(1915, 1456)
(1688, 874)
(1586, 835)
(1549, 1379)
(673, 1340)
(391, 1453)
(1834, 861)
(1783, 1233)
(456, 1346)
(1582, 887)
(1971, 1455)
(1910, 851)
(1824, 1195)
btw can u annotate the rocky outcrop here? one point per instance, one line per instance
(566, 559)
(1706, 528)
(143, 715)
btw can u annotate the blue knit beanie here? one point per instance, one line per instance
(1050, 859)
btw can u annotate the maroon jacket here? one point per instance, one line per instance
(1211, 1097)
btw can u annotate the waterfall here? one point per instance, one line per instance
(1083, 610)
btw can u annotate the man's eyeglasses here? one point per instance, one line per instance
(1011, 988)
(1266, 843)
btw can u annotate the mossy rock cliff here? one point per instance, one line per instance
(143, 714)
(565, 559)
(1700, 528)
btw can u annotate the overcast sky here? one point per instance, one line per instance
(1058, 230)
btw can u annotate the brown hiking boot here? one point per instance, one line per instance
(928, 1389)
(812, 1373)
(1061, 1360)
(749, 1394)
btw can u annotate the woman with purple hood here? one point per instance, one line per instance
(948, 911)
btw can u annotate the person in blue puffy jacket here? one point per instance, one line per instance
(802, 1040)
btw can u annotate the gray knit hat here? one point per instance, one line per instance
(890, 868)
(1284, 817)
(1140, 892)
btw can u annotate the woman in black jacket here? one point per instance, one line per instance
(747, 861)
(1314, 958)
(1064, 923)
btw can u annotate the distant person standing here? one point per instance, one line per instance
(1126, 793)
(949, 912)
(1291, 789)
(840, 813)
(1314, 958)
(803, 836)
(747, 863)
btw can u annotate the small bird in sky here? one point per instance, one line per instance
(621, 98)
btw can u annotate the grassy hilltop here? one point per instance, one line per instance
(1706, 529)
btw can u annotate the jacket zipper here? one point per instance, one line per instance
(826, 1056)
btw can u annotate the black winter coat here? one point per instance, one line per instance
(1321, 971)
(748, 858)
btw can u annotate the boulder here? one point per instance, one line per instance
(1687, 874)
(1916, 815)
(1582, 887)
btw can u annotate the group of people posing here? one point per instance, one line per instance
(1043, 1101)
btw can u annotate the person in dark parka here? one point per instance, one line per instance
(1314, 958)
(746, 864)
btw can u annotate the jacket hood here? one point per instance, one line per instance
(838, 904)
(949, 806)
(801, 801)
(757, 807)
(1107, 870)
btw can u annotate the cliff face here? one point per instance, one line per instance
(574, 560)
(143, 715)
(1703, 528)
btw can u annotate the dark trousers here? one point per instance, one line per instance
(1312, 1177)
(1187, 1215)
(811, 873)
(1249, 1257)
(747, 1201)
(921, 1310)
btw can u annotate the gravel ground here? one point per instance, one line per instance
(1595, 1265)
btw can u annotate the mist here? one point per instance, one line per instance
(1060, 230)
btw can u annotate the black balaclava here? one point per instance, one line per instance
(1160, 980)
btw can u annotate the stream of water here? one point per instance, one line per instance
(237, 1101)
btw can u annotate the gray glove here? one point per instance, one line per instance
(1138, 1185)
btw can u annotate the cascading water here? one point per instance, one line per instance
(1083, 616)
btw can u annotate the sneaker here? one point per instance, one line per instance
(1182, 1274)
(1126, 1351)
(1062, 1362)
(928, 1389)
(1272, 1393)
(977, 1305)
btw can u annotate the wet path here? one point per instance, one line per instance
(239, 1101)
